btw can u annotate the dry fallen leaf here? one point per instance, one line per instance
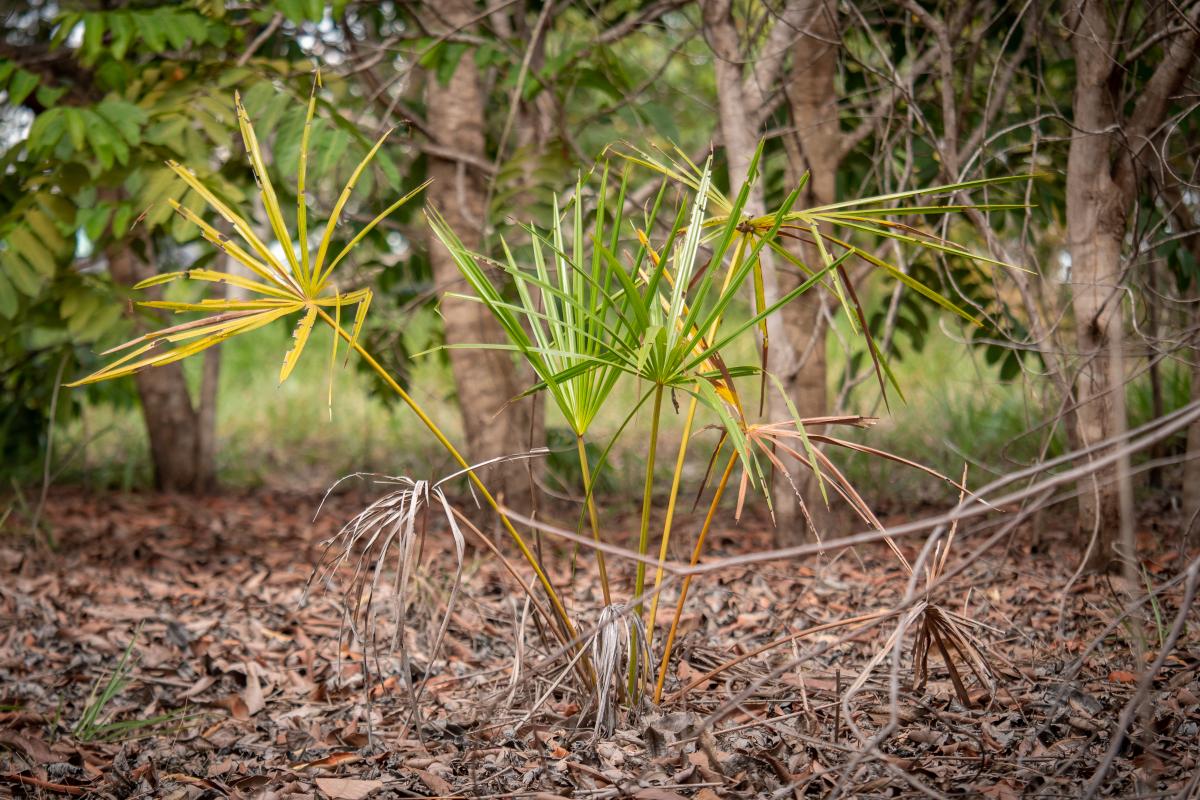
(347, 788)
(331, 760)
(236, 706)
(252, 695)
(436, 784)
(31, 746)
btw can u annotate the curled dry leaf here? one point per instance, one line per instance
(436, 784)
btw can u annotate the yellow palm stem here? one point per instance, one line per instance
(666, 536)
(559, 610)
(687, 580)
(639, 583)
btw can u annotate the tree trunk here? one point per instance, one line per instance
(1096, 221)
(735, 119)
(814, 147)
(796, 335)
(1102, 182)
(181, 438)
(486, 380)
(1184, 219)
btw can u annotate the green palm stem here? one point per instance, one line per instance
(591, 509)
(639, 583)
(559, 610)
(687, 580)
(666, 536)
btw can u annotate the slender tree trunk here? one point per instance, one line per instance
(486, 380)
(181, 438)
(1096, 221)
(813, 147)
(1183, 219)
(796, 335)
(738, 132)
(1102, 182)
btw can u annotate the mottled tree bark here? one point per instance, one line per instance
(486, 380)
(813, 146)
(796, 334)
(1102, 180)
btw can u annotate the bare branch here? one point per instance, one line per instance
(1150, 110)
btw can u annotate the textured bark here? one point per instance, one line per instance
(1102, 180)
(181, 439)
(797, 333)
(814, 147)
(738, 132)
(485, 379)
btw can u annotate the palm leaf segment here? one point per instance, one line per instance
(282, 285)
(561, 319)
(829, 229)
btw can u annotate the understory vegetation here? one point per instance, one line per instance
(673, 399)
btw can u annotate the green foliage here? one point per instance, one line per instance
(100, 102)
(96, 723)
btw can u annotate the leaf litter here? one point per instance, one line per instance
(228, 679)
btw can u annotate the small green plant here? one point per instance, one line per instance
(96, 724)
(663, 315)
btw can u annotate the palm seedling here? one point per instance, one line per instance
(657, 316)
(300, 283)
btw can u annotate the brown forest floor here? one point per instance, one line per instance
(266, 699)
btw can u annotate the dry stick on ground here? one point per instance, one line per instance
(1153, 431)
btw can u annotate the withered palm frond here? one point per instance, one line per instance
(392, 530)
